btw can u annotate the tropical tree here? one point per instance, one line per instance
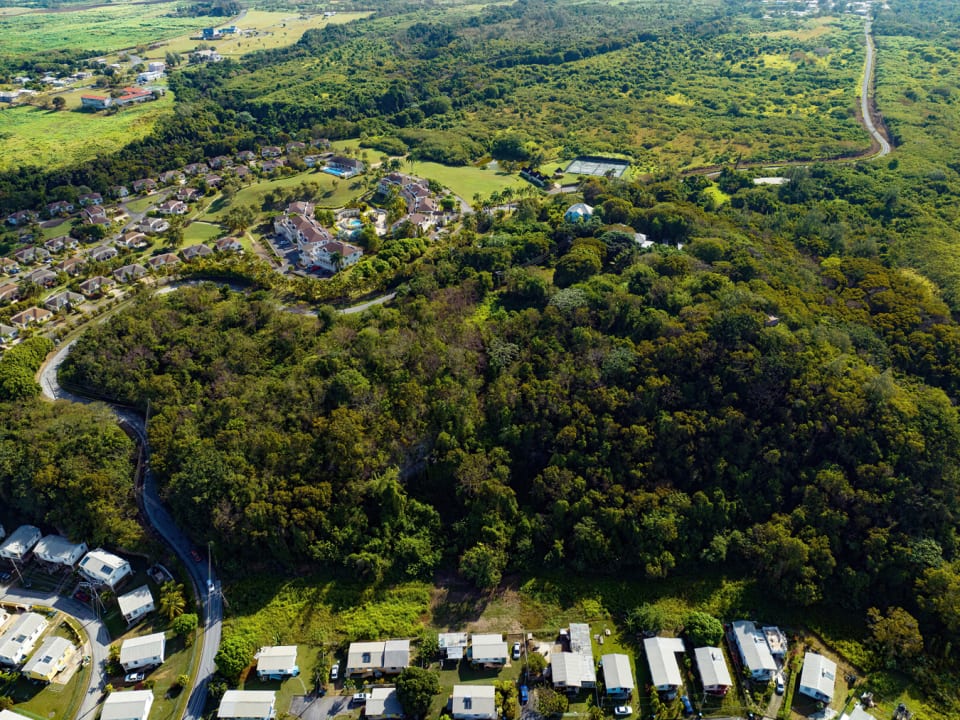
(172, 601)
(416, 687)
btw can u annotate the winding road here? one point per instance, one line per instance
(865, 109)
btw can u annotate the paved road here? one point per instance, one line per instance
(96, 630)
(865, 93)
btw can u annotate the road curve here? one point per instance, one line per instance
(96, 632)
(865, 93)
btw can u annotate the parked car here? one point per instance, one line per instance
(780, 685)
(134, 677)
(524, 694)
(359, 699)
(687, 706)
(335, 671)
(622, 710)
(516, 651)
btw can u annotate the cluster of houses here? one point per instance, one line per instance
(317, 248)
(423, 208)
(127, 96)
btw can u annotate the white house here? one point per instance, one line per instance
(129, 705)
(378, 658)
(453, 646)
(50, 659)
(248, 705)
(278, 662)
(474, 702)
(20, 543)
(818, 677)
(488, 649)
(103, 568)
(662, 658)
(567, 670)
(578, 213)
(136, 603)
(383, 704)
(141, 652)
(714, 673)
(57, 550)
(754, 651)
(19, 639)
(617, 675)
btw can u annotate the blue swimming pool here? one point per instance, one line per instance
(353, 224)
(336, 171)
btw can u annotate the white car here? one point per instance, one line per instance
(335, 671)
(622, 710)
(516, 651)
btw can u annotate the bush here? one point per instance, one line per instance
(703, 629)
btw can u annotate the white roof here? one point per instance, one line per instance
(616, 671)
(580, 639)
(28, 625)
(49, 654)
(819, 673)
(59, 550)
(20, 542)
(858, 713)
(135, 599)
(141, 648)
(579, 209)
(396, 653)
(11, 715)
(713, 667)
(383, 701)
(103, 566)
(355, 655)
(453, 643)
(247, 704)
(278, 658)
(489, 646)
(753, 646)
(662, 659)
(476, 700)
(566, 669)
(128, 705)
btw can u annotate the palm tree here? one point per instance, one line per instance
(172, 601)
(337, 260)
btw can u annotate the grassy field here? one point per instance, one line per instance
(200, 232)
(33, 136)
(465, 181)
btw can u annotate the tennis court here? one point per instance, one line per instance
(601, 166)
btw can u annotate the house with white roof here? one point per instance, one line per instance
(474, 702)
(818, 677)
(128, 705)
(248, 705)
(617, 675)
(754, 651)
(574, 669)
(378, 658)
(714, 673)
(488, 649)
(103, 568)
(21, 541)
(858, 713)
(20, 638)
(11, 715)
(578, 212)
(383, 704)
(567, 670)
(144, 651)
(50, 659)
(136, 603)
(57, 550)
(662, 659)
(453, 646)
(278, 662)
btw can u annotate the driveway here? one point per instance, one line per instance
(311, 707)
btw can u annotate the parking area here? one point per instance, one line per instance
(313, 707)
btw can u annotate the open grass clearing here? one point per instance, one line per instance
(201, 232)
(465, 181)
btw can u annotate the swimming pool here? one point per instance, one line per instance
(336, 171)
(353, 224)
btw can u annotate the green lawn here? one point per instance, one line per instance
(33, 136)
(201, 232)
(465, 181)
(142, 204)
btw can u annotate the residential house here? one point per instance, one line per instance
(130, 95)
(103, 568)
(241, 171)
(578, 212)
(818, 677)
(331, 256)
(96, 285)
(20, 638)
(247, 705)
(149, 76)
(713, 670)
(173, 177)
(196, 251)
(474, 702)
(343, 166)
(133, 240)
(754, 651)
(489, 650)
(662, 659)
(31, 316)
(136, 603)
(31, 254)
(7, 333)
(71, 266)
(119, 191)
(94, 215)
(65, 300)
(9, 293)
(59, 207)
(127, 705)
(129, 273)
(102, 253)
(212, 180)
(269, 166)
(20, 544)
(301, 207)
(57, 550)
(142, 652)
(312, 160)
(8, 96)
(188, 194)
(300, 229)
(173, 207)
(21, 217)
(196, 168)
(50, 659)
(277, 663)
(295, 146)
(383, 704)
(221, 161)
(60, 243)
(378, 658)
(617, 676)
(567, 670)
(246, 156)
(10, 267)
(228, 244)
(145, 185)
(163, 260)
(44, 277)
(153, 226)
(96, 102)
(453, 646)
(90, 199)
(270, 151)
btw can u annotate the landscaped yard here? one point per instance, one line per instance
(201, 232)
(465, 181)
